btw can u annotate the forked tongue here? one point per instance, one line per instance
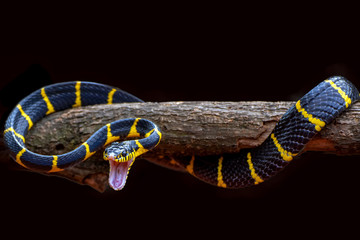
(118, 173)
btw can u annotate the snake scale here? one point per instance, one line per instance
(248, 167)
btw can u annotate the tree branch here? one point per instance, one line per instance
(200, 128)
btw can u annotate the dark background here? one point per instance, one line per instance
(231, 53)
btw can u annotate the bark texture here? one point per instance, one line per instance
(200, 128)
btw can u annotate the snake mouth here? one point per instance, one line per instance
(118, 173)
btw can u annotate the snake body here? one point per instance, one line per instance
(248, 167)
(66, 95)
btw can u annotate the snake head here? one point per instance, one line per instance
(120, 156)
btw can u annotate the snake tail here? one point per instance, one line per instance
(295, 129)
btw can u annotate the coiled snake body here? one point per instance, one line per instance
(249, 167)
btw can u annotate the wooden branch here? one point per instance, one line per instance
(200, 128)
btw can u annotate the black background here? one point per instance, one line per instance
(184, 53)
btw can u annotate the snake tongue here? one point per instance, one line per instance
(118, 173)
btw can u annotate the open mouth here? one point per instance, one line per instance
(118, 173)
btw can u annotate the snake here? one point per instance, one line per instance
(247, 167)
